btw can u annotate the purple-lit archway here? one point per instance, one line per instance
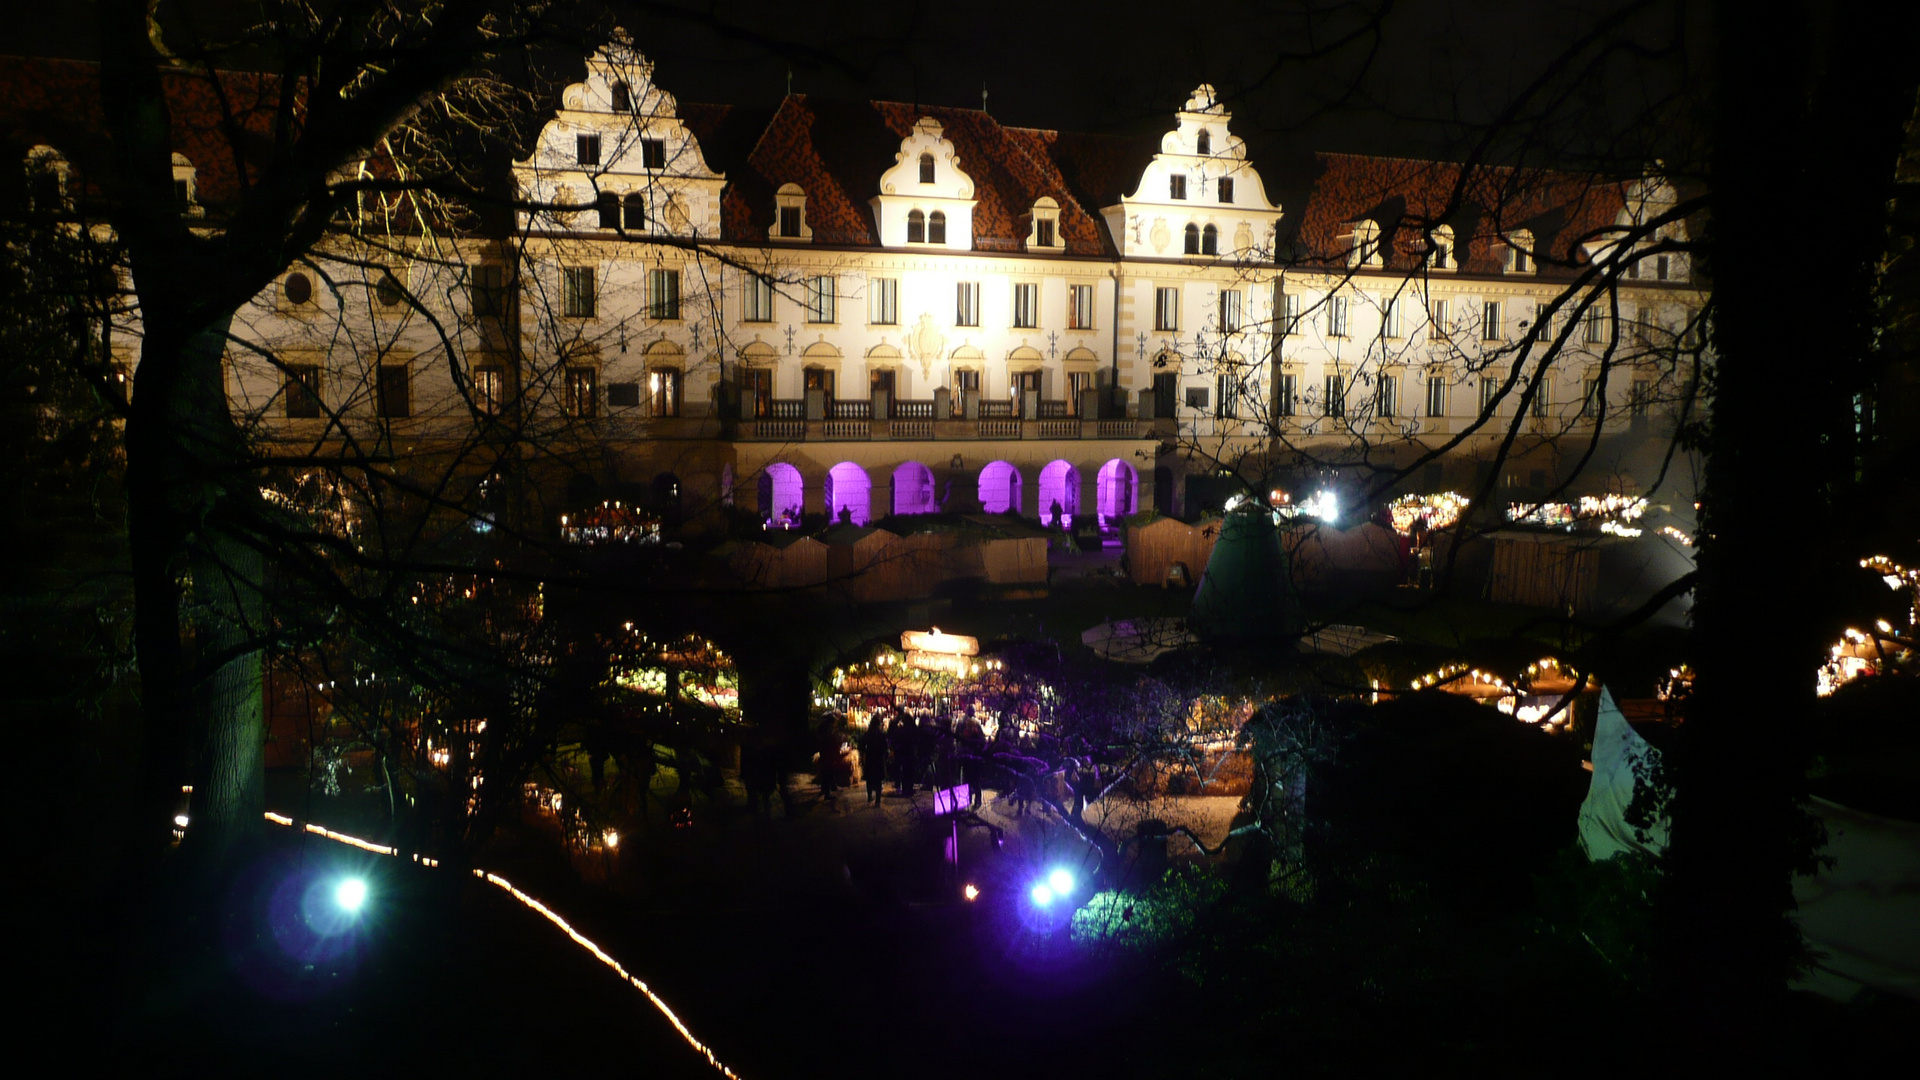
(1119, 488)
(849, 493)
(913, 490)
(1059, 494)
(782, 495)
(999, 488)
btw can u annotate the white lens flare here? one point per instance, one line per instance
(351, 894)
(1061, 881)
(1042, 895)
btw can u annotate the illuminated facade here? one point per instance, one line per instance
(874, 308)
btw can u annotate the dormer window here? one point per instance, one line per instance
(297, 288)
(636, 205)
(1177, 186)
(47, 180)
(926, 168)
(622, 97)
(653, 154)
(1366, 244)
(790, 214)
(586, 149)
(1520, 252)
(186, 187)
(1225, 186)
(937, 227)
(1046, 224)
(1440, 257)
(1193, 239)
(916, 227)
(1209, 241)
(1204, 143)
(608, 206)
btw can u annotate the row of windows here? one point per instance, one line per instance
(586, 151)
(1177, 187)
(300, 394)
(1386, 397)
(1596, 325)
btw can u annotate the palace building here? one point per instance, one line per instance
(872, 308)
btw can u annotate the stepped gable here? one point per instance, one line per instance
(1010, 171)
(57, 103)
(1406, 196)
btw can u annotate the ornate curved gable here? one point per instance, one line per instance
(925, 179)
(618, 135)
(1200, 178)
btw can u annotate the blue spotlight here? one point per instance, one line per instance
(1061, 881)
(351, 894)
(1042, 895)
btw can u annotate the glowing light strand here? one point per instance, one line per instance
(551, 916)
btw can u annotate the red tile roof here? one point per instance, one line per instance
(1482, 205)
(57, 103)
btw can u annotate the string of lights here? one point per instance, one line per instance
(549, 914)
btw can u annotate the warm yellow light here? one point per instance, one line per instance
(971, 892)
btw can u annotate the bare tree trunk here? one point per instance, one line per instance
(1809, 114)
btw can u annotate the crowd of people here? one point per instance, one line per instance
(917, 748)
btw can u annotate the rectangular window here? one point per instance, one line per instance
(1078, 382)
(576, 292)
(489, 389)
(1166, 309)
(1197, 397)
(607, 206)
(1229, 311)
(487, 289)
(1026, 305)
(653, 154)
(663, 294)
(1286, 388)
(586, 149)
(1594, 327)
(820, 299)
(1336, 400)
(1227, 400)
(1336, 316)
(1490, 321)
(394, 402)
(883, 301)
(1436, 395)
(302, 391)
(1437, 312)
(1542, 400)
(790, 221)
(1177, 186)
(580, 396)
(758, 306)
(1662, 266)
(1489, 395)
(965, 379)
(1643, 325)
(966, 304)
(623, 395)
(1641, 400)
(1290, 318)
(1225, 184)
(818, 378)
(663, 392)
(1542, 323)
(1043, 232)
(756, 385)
(1386, 396)
(1079, 307)
(1590, 399)
(1390, 319)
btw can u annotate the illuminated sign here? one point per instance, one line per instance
(933, 661)
(921, 641)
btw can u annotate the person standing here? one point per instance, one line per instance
(904, 739)
(873, 758)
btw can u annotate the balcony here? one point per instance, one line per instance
(903, 420)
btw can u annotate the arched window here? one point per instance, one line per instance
(937, 228)
(916, 227)
(849, 494)
(1210, 241)
(781, 494)
(913, 490)
(1193, 239)
(926, 168)
(1118, 488)
(609, 206)
(1000, 488)
(622, 98)
(636, 212)
(1204, 144)
(1059, 494)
